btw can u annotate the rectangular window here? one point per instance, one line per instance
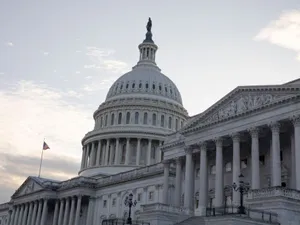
(262, 160)
(139, 197)
(104, 203)
(114, 201)
(151, 196)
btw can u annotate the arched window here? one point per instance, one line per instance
(145, 118)
(181, 124)
(127, 85)
(133, 85)
(101, 121)
(112, 119)
(140, 85)
(147, 86)
(128, 118)
(162, 120)
(136, 118)
(120, 118)
(154, 119)
(170, 122)
(176, 124)
(106, 118)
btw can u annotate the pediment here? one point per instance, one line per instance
(243, 100)
(30, 185)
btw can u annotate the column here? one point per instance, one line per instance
(296, 122)
(92, 156)
(117, 154)
(17, 215)
(61, 210)
(236, 166)
(149, 152)
(127, 156)
(276, 163)
(178, 181)
(45, 212)
(203, 186)
(55, 216)
(111, 155)
(188, 179)
(219, 182)
(166, 181)
(21, 214)
(159, 152)
(138, 152)
(38, 217)
(11, 218)
(71, 220)
(106, 152)
(26, 214)
(78, 208)
(87, 152)
(90, 213)
(66, 214)
(255, 174)
(82, 158)
(98, 156)
(29, 213)
(34, 211)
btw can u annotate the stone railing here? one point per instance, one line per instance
(165, 208)
(4, 206)
(273, 192)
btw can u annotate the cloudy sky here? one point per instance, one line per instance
(58, 59)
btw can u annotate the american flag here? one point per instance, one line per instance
(45, 146)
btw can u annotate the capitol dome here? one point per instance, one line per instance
(141, 108)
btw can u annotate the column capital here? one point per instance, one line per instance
(166, 163)
(254, 132)
(203, 145)
(188, 149)
(218, 141)
(275, 126)
(178, 160)
(295, 120)
(236, 137)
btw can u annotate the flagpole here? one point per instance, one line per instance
(41, 159)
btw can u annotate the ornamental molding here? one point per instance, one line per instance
(295, 120)
(242, 101)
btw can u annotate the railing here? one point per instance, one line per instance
(165, 208)
(253, 214)
(273, 192)
(123, 222)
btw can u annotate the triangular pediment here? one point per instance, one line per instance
(29, 186)
(243, 100)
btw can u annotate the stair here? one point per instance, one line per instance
(195, 220)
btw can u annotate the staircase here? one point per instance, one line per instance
(195, 220)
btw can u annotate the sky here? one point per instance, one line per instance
(59, 58)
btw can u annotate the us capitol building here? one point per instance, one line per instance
(179, 169)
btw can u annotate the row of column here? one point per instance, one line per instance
(30, 213)
(219, 176)
(111, 153)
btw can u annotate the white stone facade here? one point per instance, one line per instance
(144, 143)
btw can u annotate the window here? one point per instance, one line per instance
(170, 122)
(128, 118)
(166, 89)
(147, 86)
(101, 121)
(244, 164)
(133, 85)
(159, 87)
(213, 169)
(153, 86)
(151, 196)
(181, 124)
(140, 85)
(228, 167)
(114, 201)
(145, 118)
(120, 118)
(112, 119)
(198, 172)
(121, 87)
(153, 152)
(139, 197)
(106, 118)
(104, 203)
(123, 154)
(281, 156)
(176, 124)
(136, 118)
(162, 121)
(154, 119)
(127, 85)
(262, 160)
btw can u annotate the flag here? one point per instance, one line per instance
(45, 146)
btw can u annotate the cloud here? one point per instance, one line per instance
(102, 60)
(96, 86)
(78, 51)
(45, 53)
(10, 44)
(284, 32)
(29, 112)
(2, 73)
(77, 72)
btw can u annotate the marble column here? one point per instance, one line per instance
(25, 215)
(21, 214)
(138, 152)
(149, 152)
(11, 221)
(29, 217)
(55, 216)
(203, 186)
(39, 212)
(159, 152)
(17, 215)
(111, 155)
(276, 163)
(219, 182)
(82, 158)
(106, 152)
(78, 208)
(166, 181)
(117, 155)
(98, 155)
(296, 122)
(293, 162)
(61, 210)
(66, 214)
(90, 213)
(255, 174)
(45, 212)
(178, 182)
(236, 167)
(87, 153)
(71, 220)
(188, 195)
(127, 156)
(92, 156)
(34, 212)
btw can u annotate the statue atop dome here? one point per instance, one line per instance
(149, 25)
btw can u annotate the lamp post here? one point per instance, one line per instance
(129, 202)
(243, 188)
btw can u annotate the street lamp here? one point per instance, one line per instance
(129, 202)
(242, 187)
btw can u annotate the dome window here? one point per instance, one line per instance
(171, 91)
(166, 89)
(176, 124)
(170, 122)
(162, 121)
(127, 85)
(128, 118)
(121, 87)
(154, 119)
(101, 121)
(153, 86)
(147, 86)
(105, 121)
(133, 85)
(159, 87)
(120, 118)
(112, 119)
(136, 118)
(140, 85)
(145, 118)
